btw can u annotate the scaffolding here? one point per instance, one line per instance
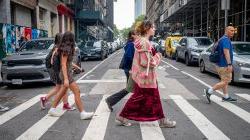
(205, 18)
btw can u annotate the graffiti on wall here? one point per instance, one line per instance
(12, 37)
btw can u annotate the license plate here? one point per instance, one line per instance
(17, 81)
(88, 54)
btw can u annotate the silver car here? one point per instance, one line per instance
(189, 48)
(241, 62)
(28, 65)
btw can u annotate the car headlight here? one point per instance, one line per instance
(242, 64)
(4, 63)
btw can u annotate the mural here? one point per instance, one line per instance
(12, 37)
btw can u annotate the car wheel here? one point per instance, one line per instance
(187, 62)
(177, 57)
(202, 67)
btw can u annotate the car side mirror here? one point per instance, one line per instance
(183, 44)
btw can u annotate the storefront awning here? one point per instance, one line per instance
(64, 10)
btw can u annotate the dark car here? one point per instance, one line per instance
(94, 50)
(189, 48)
(28, 64)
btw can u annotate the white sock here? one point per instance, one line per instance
(52, 109)
(226, 96)
(210, 90)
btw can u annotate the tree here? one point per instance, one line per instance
(138, 20)
(116, 32)
(124, 33)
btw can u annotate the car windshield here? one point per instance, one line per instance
(242, 49)
(175, 43)
(89, 43)
(35, 45)
(200, 42)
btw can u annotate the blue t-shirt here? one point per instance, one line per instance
(224, 43)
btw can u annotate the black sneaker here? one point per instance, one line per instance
(109, 106)
(207, 95)
(229, 99)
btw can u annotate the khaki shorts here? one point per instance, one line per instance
(224, 74)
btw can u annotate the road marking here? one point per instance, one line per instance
(97, 66)
(161, 85)
(39, 128)
(19, 109)
(98, 124)
(229, 106)
(151, 131)
(245, 96)
(232, 108)
(101, 81)
(200, 121)
(169, 65)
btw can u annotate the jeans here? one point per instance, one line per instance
(115, 98)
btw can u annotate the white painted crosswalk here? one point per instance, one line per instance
(98, 125)
(16, 111)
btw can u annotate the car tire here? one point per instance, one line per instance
(187, 62)
(177, 57)
(202, 67)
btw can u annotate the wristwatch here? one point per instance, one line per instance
(229, 64)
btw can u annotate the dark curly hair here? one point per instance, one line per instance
(143, 27)
(58, 38)
(130, 37)
(67, 45)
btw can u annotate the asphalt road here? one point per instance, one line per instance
(181, 90)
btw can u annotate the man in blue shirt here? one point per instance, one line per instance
(224, 66)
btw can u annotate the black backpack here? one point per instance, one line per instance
(214, 57)
(48, 59)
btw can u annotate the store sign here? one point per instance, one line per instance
(225, 4)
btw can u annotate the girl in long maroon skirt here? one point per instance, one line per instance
(145, 103)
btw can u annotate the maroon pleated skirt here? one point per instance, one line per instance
(143, 105)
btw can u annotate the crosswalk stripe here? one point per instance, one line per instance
(98, 123)
(19, 109)
(39, 128)
(200, 121)
(245, 96)
(101, 81)
(151, 131)
(232, 108)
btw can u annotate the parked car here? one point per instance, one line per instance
(241, 62)
(94, 49)
(170, 45)
(28, 64)
(189, 48)
(162, 44)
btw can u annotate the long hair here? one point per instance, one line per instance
(67, 45)
(58, 38)
(143, 27)
(130, 37)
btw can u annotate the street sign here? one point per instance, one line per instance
(225, 4)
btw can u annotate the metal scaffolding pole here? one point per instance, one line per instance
(207, 16)
(201, 18)
(193, 20)
(245, 20)
(218, 34)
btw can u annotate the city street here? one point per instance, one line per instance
(181, 89)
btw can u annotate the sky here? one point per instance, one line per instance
(123, 13)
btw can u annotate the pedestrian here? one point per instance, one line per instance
(127, 64)
(224, 66)
(54, 75)
(144, 104)
(65, 53)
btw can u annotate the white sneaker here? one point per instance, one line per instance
(52, 112)
(86, 115)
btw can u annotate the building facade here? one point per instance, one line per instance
(204, 17)
(94, 20)
(140, 8)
